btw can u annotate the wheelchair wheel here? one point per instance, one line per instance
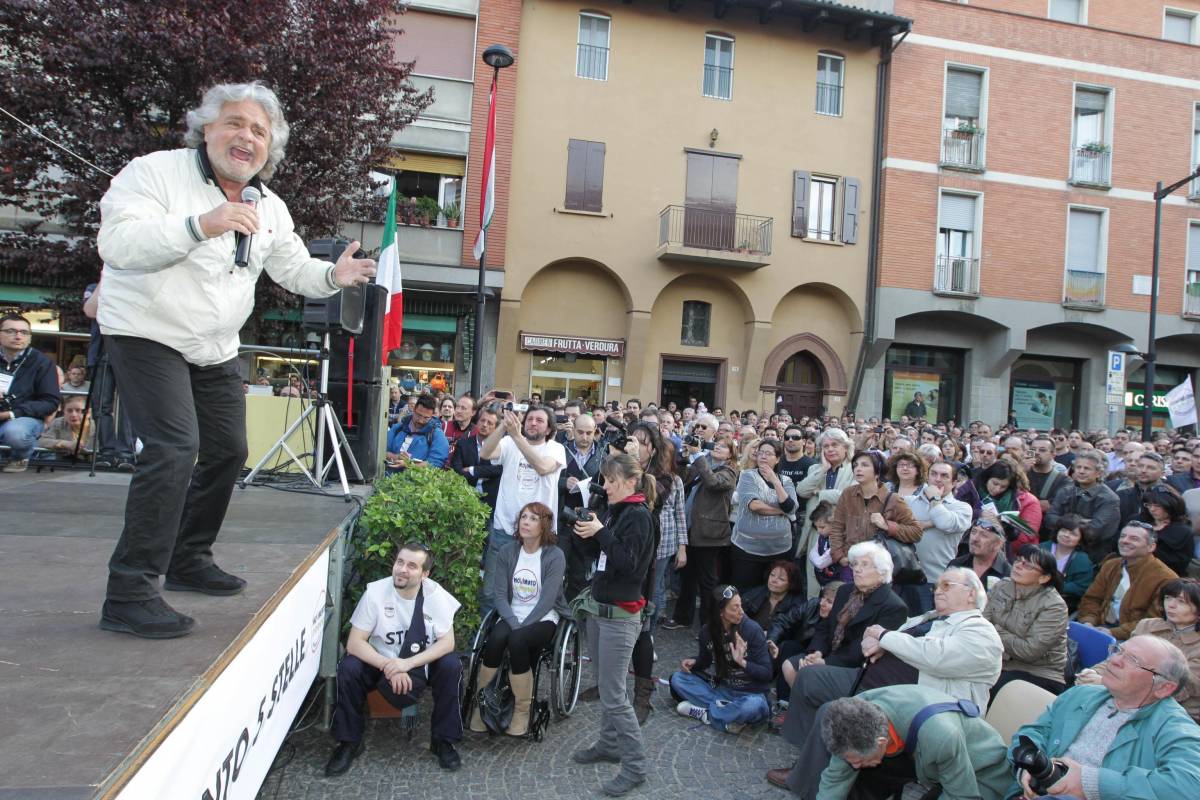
(566, 670)
(468, 685)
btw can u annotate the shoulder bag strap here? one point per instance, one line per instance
(959, 706)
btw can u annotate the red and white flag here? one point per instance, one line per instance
(388, 276)
(487, 195)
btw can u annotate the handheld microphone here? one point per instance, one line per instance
(241, 256)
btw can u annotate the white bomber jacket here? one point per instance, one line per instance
(165, 282)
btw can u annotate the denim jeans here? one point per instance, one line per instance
(662, 569)
(725, 706)
(497, 540)
(21, 435)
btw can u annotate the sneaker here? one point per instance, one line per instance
(16, 465)
(105, 461)
(206, 580)
(149, 619)
(125, 465)
(672, 625)
(776, 722)
(686, 709)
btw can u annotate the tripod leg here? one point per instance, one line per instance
(281, 444)
(330, 420)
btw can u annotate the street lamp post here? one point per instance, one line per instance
(1160, 193)
(497, 57)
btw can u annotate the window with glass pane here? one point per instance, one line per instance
(830, 76)
(1083, 240)
(1066, 10)
(591, 61)
(1194, 191)
(1090, 108)
(956, 245)
(963, 90)
(1178, 26)
(718, 67)
(696, 318)
(820, 209)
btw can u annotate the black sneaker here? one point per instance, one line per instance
(447, 756)
(341, 759)
(206, 580)
(125, 465)
(672, 625)
(150, 619)
(106, 461)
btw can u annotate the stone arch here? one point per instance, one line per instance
(575, 296)
(833, 372)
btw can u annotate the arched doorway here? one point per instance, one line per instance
(800, 384)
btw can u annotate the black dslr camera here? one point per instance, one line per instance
(696, 441)
(1043, 772)
(572, 516)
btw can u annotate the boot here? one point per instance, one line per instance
(485, 677)
(522, 689)
(643, 690)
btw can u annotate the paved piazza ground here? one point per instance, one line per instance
(687, 760)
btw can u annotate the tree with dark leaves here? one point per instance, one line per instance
(110, 80)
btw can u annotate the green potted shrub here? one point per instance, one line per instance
(433, 506)
(452, 213)
(968, 129)
(1095, 148)
(429, 209)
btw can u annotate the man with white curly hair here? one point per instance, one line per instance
(173, 302)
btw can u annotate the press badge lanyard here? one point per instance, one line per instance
(6, 377)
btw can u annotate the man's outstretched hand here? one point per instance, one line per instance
(351, 271)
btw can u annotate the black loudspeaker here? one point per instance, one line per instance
(368, 345)
(342, 311)
(368, 418)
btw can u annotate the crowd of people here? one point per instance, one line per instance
(824, 562)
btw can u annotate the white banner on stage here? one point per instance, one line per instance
(224, 745)
(1181, 402)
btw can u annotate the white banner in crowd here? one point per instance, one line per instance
(1181, 402)
(224, 745)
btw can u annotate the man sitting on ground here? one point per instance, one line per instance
(1126, 738)
(401, 639)
(1127, 589)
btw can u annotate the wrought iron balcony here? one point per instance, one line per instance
(1191, 294)
(1091, 165)
(718, 81)
(829, 99)
(592, 62)
(1194, 187)
(956, 275)
(1083, 289)
(714, 236)
(962, 149)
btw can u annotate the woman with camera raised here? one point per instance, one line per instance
(614, 608)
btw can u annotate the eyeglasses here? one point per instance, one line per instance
(1119, 650)
(794, 438)
(16, 331)
(944, 586)
(699, 426)
(1025, 563)
(728, 592)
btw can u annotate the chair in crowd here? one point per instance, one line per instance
(1092, 643)
(558, 691)
(1017, 703)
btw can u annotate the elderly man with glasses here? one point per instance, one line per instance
(28, 391)
(1127, 737)
(1127, 589)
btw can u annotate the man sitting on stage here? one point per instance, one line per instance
(401, 638)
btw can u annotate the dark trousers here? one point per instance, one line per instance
(705, 566)
(192, 422)
(524, 644)
(787, 649)
(814, 687)
(580, 555)
(355, 678)
(747, 571)
(114, 432)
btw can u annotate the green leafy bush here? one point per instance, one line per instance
(438, 508)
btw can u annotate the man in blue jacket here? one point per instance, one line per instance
(1126, 738)
(418, 438)
(28, 390)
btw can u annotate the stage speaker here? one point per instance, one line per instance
(342, 311)
(367, 428)
(368, 345)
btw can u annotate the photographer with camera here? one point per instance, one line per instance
(583, 464)
(1124, 738)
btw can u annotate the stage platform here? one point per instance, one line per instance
(83, 708)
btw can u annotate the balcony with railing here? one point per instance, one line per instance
(1194, 186)
(718, 82)
(714, 236)
(592, 62)
(1091, 165)
(956, 275)
(1083, 289)
(829, 99)
(1191, 294)
(962, 148)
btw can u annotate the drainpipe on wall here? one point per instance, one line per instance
(882, 80)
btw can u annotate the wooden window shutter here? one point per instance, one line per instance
(800, 184)
(850, 187)
(576, 171)
(593, 178)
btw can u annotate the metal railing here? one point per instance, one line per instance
(956, 275)
(829, 99)
(962, 148)
(1091, 166)
(718, 81)
(1083, 288)
(1194, 188)
(711, 229)
(592, 62)
(1191, 294)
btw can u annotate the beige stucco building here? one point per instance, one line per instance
(689, 210)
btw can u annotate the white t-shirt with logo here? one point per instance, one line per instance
(386, 616)
(527, 587)
(521, 484)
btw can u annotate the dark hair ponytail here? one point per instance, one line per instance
(648, 488)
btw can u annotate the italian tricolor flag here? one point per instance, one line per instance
(388, 276)
(487, 197)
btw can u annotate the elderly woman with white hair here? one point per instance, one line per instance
(825, 480)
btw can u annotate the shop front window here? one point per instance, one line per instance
(1042, 394)
(569, 376)
(933, 374)
(1166, 378)
(425, 360)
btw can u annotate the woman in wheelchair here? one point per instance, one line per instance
(528, 591)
